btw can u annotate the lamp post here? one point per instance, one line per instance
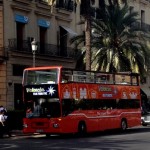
(34, 49)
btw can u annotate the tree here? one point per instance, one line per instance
(117, 45)
(121, 45)
(87, 16)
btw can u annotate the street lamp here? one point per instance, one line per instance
(34, 49)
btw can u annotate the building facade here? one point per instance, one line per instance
(21, 21)
(143, 8)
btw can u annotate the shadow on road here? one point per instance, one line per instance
(132, 139)
(136, 130)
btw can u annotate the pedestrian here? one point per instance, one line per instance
(2, 123)
(2, 108)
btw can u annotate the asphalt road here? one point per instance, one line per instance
(133, 139)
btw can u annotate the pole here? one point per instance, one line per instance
(33, 58)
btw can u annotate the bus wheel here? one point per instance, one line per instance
(82, 129)
(123, 124)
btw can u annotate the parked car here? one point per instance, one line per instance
(145, 109)
(145, 119)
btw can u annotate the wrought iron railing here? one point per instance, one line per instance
(43, 48)
(67, 4)
(143, 26)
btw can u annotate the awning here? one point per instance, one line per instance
(70, 31)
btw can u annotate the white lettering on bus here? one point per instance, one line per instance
(105, 89)
(44, 93)
(33, 90)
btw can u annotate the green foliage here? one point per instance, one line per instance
(117, 42)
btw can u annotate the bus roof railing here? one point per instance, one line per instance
(123, 78)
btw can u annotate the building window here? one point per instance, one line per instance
(143, 80)
(18, 101)
(18, 69)
(43, 32)
(131, 9)
(65, 4)
(142, 18)
(83, 8)
(20, 34)
(101, 4)
(63, 41)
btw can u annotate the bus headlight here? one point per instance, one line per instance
(55, 125)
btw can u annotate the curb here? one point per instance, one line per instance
(19, 133)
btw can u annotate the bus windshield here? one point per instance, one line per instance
(33, 77)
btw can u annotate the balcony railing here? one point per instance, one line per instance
(142, 26)
(43, 49)
(67, 4)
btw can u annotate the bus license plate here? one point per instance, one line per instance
(39, 131)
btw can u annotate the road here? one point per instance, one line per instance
(134, 139)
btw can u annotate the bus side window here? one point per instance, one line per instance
(66, 76)
(64, 79)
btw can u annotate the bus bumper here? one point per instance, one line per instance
(41, 126)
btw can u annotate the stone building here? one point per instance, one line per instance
(143, 8)
(21, 21)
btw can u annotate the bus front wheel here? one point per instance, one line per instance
(82, 129)
(123, 124)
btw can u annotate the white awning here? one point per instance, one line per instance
(70, 31)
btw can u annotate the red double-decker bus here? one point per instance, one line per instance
(60, 100)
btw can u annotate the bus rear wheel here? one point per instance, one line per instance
(123, 124)
(82, 129)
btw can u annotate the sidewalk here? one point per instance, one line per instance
(19, 133)
(15, 133)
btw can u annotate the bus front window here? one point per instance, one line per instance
(44, 108)
(33, 77)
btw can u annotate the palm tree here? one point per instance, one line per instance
(87, 16)
(116, 45)
(122, 47)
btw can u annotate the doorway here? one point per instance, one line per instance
(18, 100)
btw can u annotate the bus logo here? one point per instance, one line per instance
(51, 90)
(41, 91)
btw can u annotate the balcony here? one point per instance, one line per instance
(66, 5)
(26, 2)
(141, 25)
(144, 1)
(44, 49)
